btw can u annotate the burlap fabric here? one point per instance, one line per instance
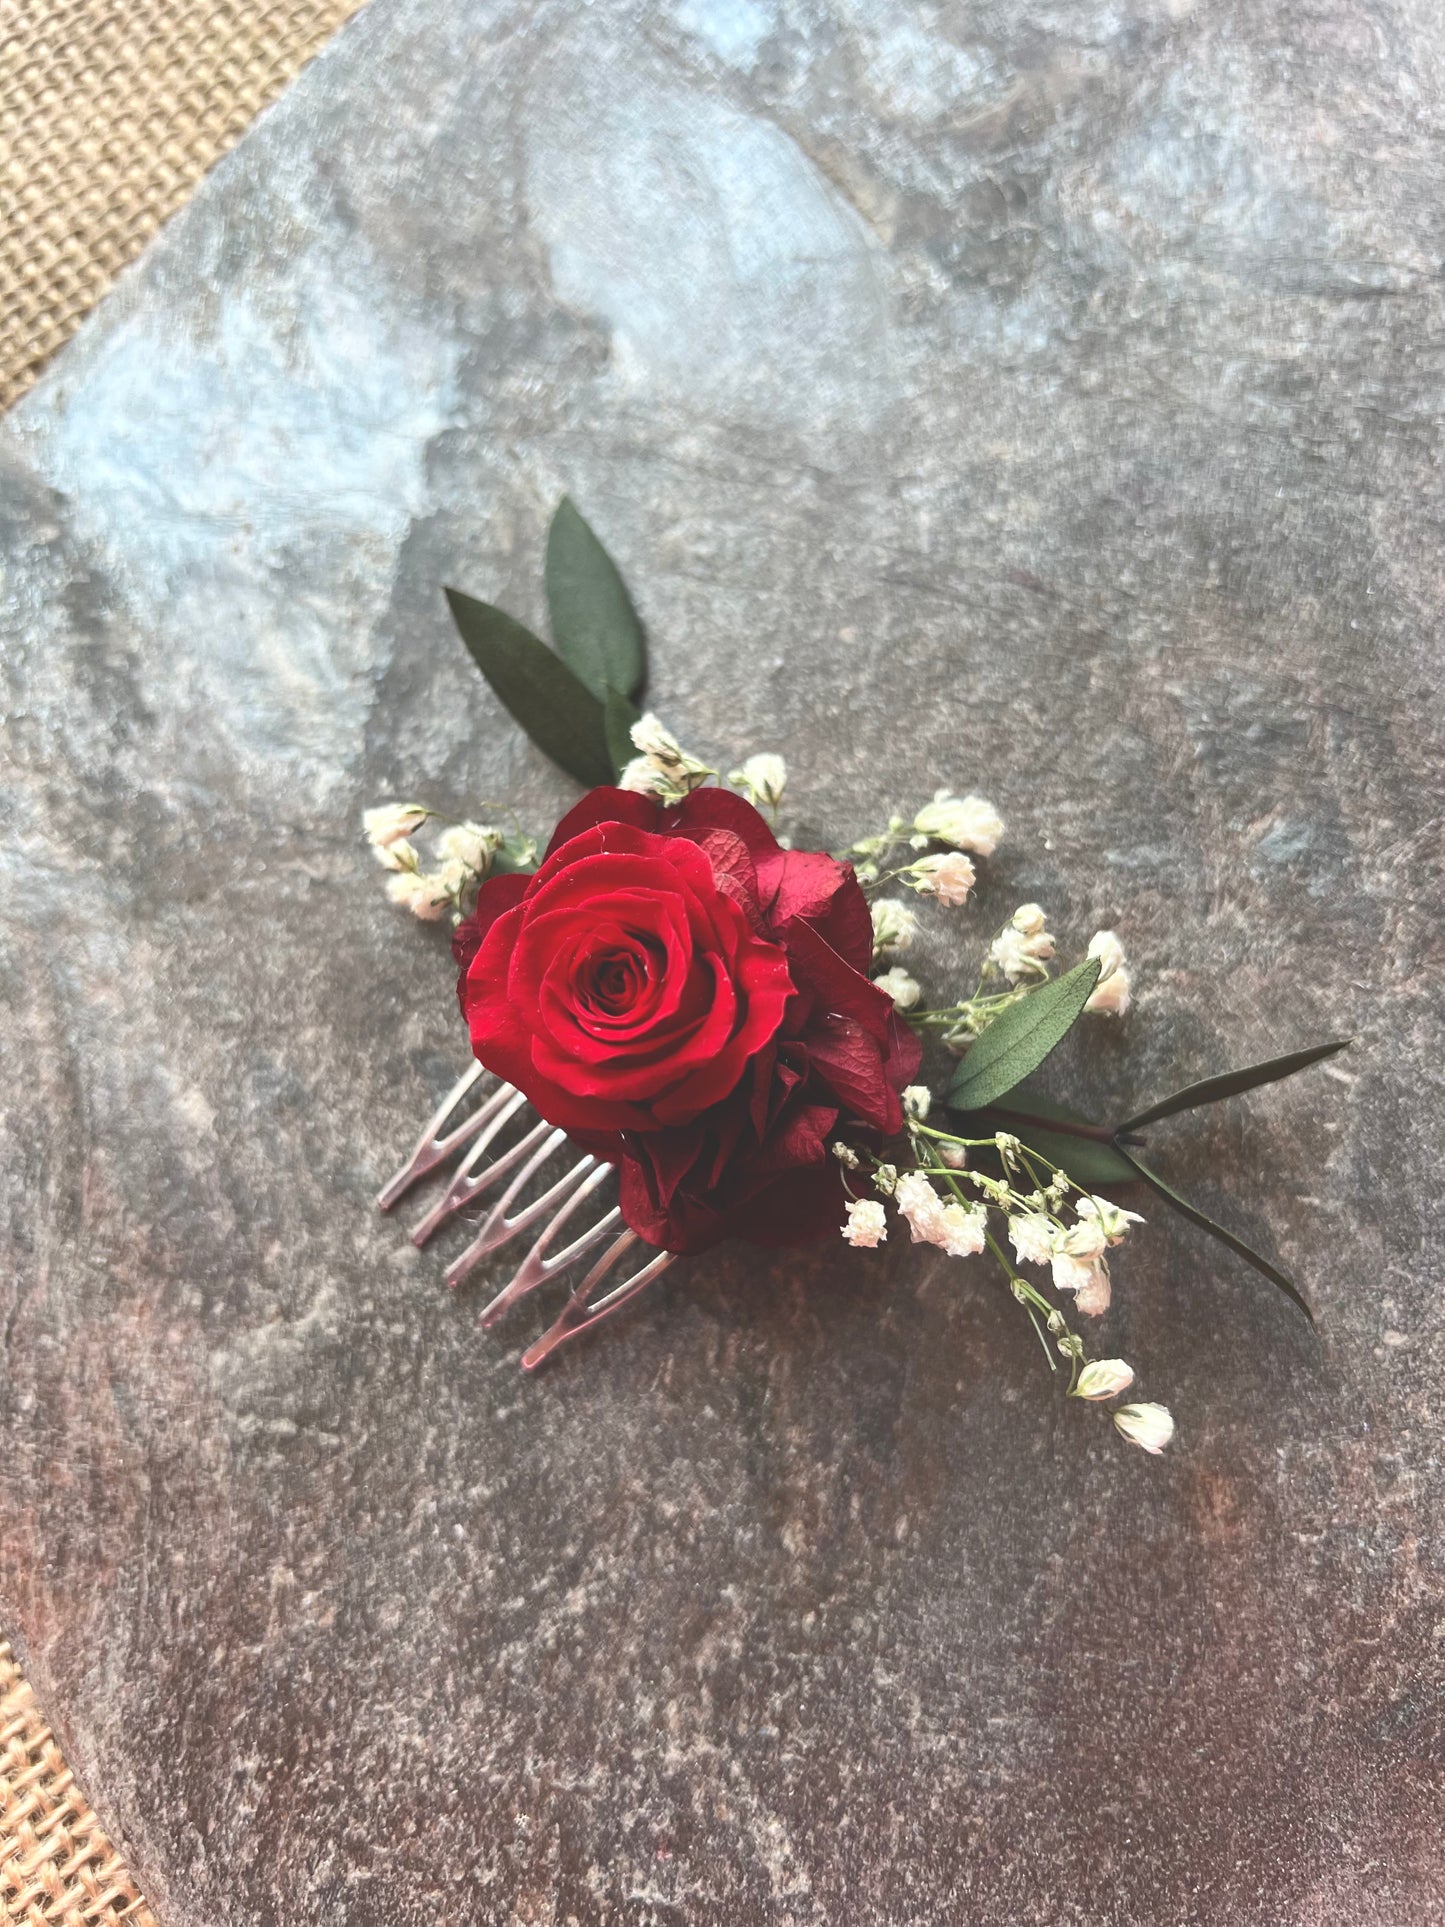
(57, 1868)
(110, 112)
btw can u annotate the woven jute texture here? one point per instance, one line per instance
(57, 1869)
(110, 112)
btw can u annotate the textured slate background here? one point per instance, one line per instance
(1042, 398)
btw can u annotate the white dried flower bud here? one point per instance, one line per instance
(897, 984)
(390, 822)
(885, 1179)
(662, 767)
(949, 877)
(646, 778)
(651, 737)
(764, 777)
(425, 896)
(917, 1102)
(920, 1205)
(1023, 946)
(894, 925)
(1111, 1219)
(846, 1156)
(967, 822)
(1110, 996)
(1092, 1297)
(1031, 1234)
(961, 1229)
(955, 1156)
(1105, 945)
(1148, 1426)
(473, 844)
(1086, 1277)
(1083, 1240)
(1029, 919)
(453, 876)
(867, 1224)
(400, 855)
(1104, 1378)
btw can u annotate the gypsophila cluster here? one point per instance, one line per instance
(444, 881)
(762, 779)
(1049, 1222)
(970, 1196)
(1110, 996)
(661, 767)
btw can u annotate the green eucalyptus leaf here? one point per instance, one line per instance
(618, 715)
(1016, 1043)
(593, 621)
(1211, 1089)
(1092, 1162)
(559, 713)
(1036, 1106)
(1236, 1244)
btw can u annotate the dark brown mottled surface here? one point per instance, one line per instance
(1042, 398)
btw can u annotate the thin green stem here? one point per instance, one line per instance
(1032, 1300)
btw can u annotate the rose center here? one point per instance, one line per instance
(619, 981)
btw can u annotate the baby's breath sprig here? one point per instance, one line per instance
(962, 823)
(661, 767)
(1020, 954)
(762, 779)
(948, 1202)
(463, 854)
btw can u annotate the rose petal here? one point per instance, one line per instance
(605, 805)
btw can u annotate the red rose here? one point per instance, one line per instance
(691, 1002)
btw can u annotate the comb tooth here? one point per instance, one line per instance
(579, 1314)
(536, 1147)
(563, 1198)
(432, 1148)
(467, 1181)
(537, 1268)
(503, 1224)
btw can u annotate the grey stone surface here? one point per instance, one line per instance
(1037, 397)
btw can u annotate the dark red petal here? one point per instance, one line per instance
(808, 885)
(605, 805)
(652, 1071)
(904, 1053)
(764, 987)
(734, 872)
(496, 895)
(837, 987)
(850, 1064)
(802, 1207)
(719, 809)
(617, 855)
(800, 1137)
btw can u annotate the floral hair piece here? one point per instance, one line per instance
(734, 1024)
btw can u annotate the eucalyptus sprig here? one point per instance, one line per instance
(1106, 1154)
(578, 702)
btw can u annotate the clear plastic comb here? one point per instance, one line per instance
(501, 1141)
